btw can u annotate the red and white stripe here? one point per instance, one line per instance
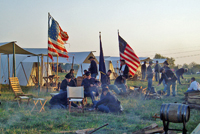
(131, 59)
(56, 47)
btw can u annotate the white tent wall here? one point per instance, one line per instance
(4, 66)
(29, 69)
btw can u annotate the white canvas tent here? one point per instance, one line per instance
(32, 62)
(11, 48)
(80, 58)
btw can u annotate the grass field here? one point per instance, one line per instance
(137, 114)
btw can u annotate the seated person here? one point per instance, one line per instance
(194, 86)
(119, 82)
(72, 74)
(90, 86)
(108, 103)
(111, 87)
(60, 101)
(84, 76)
(67, 82)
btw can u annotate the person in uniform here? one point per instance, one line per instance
(143, 70)
(111, 86)
(170, 79)
(93, 67)
(149, 75)
(90, 86)
(68, 81)
(179, 73)
(60, 101)
(157, 71)
(121, 80)
(72, 74)
(108, 103)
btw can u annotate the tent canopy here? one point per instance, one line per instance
(7, 48)
(79, 57)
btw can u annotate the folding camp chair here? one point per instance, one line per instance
(36, 100)
(75, 94)
(19, 94)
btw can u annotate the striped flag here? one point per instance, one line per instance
(127, 53)
(56, 39)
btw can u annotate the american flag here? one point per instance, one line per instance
(127, 53)
(56, 39)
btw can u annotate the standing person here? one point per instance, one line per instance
(166, 66)
(170, 79)
(157, 71)
(179, 73)
(123, 70)
(149, 75)
(93, 67)
(143, 70)
(67, 82)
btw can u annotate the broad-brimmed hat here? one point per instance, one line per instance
(68, 76)
(104, 89)
(91, 57)
(166, 63)
(87, 73)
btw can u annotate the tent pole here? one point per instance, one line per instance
(41, 74)
(38, 74)
(14, 67)
(24, 73)
(8, 70)
(57, 72)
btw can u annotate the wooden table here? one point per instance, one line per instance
(51, 78)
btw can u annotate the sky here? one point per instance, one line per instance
(167, 27)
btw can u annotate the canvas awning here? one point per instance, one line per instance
(7, 48)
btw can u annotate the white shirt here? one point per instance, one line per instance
(194, 86)
(122, 69)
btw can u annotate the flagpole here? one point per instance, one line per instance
(99, 56)
(49, 16)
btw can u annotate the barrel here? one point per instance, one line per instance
(175, 112)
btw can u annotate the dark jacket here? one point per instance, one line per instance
(93, 67)
(166, 68)
(125, 72)
(180, 72)
(119, 80)
(86, 83)
(157, 68)
(107, 79)
(64, 84)
(111, 102)
(166, 75)
(143, 68)
(149, 72)
(60, 99)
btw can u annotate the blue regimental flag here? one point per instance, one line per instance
(102, 67)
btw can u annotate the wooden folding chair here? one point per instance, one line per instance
(75, 94)
(19, 94)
